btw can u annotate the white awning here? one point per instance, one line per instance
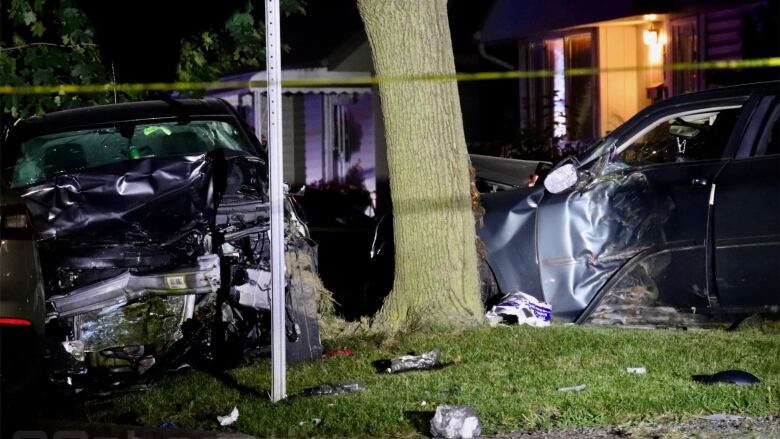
(314, 75)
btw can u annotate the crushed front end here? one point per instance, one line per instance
(160, 262)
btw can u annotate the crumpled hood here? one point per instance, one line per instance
(148, 200)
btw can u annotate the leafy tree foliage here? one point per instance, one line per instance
(236, 46)
(51, 42)
(48, 43)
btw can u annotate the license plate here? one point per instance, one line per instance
(176, 282)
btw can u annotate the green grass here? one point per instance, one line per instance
(509, 375)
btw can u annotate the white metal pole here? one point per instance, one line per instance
(274, 70)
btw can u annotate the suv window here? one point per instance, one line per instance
(769, 142)
(688, 137)
(43, 157)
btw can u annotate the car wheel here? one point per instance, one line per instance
(488, 286)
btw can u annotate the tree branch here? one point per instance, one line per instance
(27, 46)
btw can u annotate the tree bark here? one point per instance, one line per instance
(436, 278)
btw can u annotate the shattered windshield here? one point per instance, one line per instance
(44, 157)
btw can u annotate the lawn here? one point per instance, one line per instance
(509, 375)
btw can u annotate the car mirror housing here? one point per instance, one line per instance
(561, 179)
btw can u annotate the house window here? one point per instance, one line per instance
(580, 90)
(684, 50)
(555, 60)
(569, 100)
(341, 136)
(341, 140)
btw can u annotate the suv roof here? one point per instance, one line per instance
(732, 90)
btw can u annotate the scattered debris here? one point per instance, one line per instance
(576, 388)
(721, 417)
(342, 352)
(228, 419)
(636, 370)
(409, 362)
(739, 377)
(168, 425)
(455, 422)
(520, 309)
(329, 389)
(315, 421)
(180, 367)
(426, 361)
(423, 403)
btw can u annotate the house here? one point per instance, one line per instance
(326, 129)
(615, 36)
(330, 131)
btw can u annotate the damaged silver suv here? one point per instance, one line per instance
(673, 219)
(152, 221)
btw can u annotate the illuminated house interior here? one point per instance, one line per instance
(630, 46)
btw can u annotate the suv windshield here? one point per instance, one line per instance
(41, 158)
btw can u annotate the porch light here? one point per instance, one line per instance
(651, 36)
(655, 41)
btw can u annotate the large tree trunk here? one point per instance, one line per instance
(436, 278)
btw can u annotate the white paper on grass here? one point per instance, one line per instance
(228, 419)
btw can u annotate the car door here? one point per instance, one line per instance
(747, 216)
(641, 224)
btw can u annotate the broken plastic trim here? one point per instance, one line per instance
(201, 279)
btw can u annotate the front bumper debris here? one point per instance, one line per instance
(198, 279)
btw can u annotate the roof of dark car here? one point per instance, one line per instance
(734, 90)
(125, 112)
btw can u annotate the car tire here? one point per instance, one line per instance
(488, 286)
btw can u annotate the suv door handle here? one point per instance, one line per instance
(699, 182)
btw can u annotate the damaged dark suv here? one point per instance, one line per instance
(152, 221)
(671, 219)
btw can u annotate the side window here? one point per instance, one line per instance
(684, 138)
(769, 141)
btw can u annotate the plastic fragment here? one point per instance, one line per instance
(722, 417)
(636, 370)
(576, 388)
(342, 352)
(329, 389)
(228, 419)
(519, 308)
(734, 376)
(428, 360)
(455, 422)
(168, 425)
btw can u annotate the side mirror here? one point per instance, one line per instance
(561, 179)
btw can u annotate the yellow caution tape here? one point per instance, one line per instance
(374, 80)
